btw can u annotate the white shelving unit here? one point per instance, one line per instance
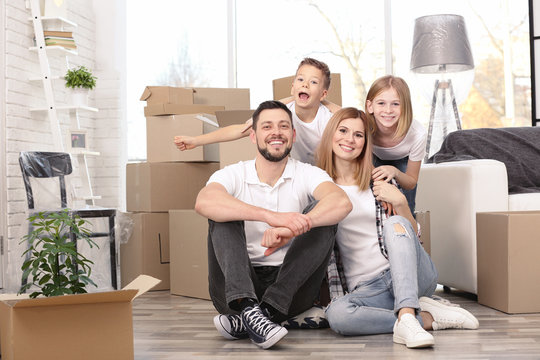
(51, 108)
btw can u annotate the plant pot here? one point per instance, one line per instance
(79, 97)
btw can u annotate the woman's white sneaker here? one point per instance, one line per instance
(409, 332)
(447, 315)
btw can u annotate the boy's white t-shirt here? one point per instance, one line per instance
(357, 239)
(413, 145)
(308, 135)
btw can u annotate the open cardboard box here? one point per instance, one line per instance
(82, 326)
(168, 100)
(167, 94)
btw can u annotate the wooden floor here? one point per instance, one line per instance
(176, 327)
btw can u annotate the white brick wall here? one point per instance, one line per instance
(26, 131)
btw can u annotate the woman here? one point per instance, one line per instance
(390, 276)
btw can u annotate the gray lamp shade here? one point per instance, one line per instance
(440, 44)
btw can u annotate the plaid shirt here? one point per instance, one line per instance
(337, 283)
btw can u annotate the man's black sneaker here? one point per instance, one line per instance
(261, 330)
(230, 326)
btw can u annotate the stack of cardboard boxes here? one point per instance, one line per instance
(169, 239)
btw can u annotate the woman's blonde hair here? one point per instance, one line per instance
(325, 155)
(402, 89)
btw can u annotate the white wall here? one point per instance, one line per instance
(27, 131)
(3, 196)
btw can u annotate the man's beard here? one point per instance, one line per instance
(266, 154)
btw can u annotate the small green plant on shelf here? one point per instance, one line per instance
(80, 77)
(52, 260)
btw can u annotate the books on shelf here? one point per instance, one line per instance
(65, 42)
(63, 34)
(59, 38)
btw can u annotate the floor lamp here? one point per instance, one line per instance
(441, 46)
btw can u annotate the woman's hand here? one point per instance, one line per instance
(389, 193)
(385, 172)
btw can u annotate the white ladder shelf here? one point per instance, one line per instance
(51, 108)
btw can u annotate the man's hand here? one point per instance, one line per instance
(385, 172)
(185, 142)
(296, 222)
(275, 238)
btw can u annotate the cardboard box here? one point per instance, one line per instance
(147, 250)
(231, 152)
(160, 132)
(189, 254)
(230, 98)
(508, 248)
(83, 326)
(172, 109)
(159, 187)
(422, 218)
(167, 94)
(282, 88)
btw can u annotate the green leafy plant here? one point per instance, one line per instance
(52, 260)
(80, 77)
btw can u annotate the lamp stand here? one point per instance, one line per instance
(441, 87)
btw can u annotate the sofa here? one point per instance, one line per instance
(478, 170)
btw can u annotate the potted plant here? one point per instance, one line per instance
(80, 80)
(52, 260)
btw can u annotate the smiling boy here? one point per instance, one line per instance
(308, 90)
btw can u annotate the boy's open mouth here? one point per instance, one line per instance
(303, 96)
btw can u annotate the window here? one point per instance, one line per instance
(171, 42)
(274, 36)
(185, 43)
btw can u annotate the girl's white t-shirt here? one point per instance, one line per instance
(357, 239)
(413, 145)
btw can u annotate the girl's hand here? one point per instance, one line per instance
(389, 193)
(185, 142)
(385, 172)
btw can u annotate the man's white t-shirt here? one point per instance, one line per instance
(357, 239)
(308, 135)
(292, 193)
(413, 145)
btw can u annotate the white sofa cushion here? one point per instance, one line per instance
(522, 202)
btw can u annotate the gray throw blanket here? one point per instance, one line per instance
(518, 148)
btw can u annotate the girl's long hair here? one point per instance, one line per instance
(325, 155)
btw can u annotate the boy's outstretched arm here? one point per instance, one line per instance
(228, 133)
(331, 106)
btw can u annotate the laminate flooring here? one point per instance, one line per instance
(175, 327)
